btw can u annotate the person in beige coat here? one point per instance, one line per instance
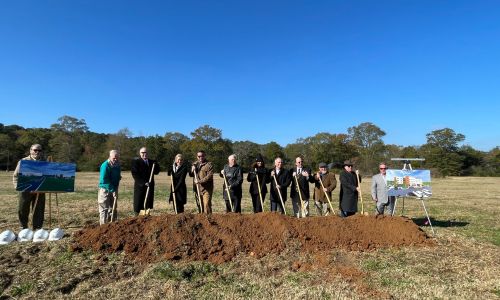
(204, 179)
(329, 183)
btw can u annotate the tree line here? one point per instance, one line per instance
(69, 140)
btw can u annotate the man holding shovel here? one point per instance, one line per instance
(299, 192)
(349, 190)
(233, 179)
(280, 178)
(109, 180)
(203, 181)
(144, 183)
(324, 183)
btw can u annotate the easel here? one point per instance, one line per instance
(50, 204)
(406, 167)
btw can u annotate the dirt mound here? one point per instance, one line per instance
(220, 237)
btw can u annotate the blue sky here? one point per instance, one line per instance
(258, 70)
(48, 168)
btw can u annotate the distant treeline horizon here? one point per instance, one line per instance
(69, 140)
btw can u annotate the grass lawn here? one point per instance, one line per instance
(465, 264)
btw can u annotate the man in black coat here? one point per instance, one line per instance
(257, 176)
(302, 175)
(141, 171)
(234, 177)
(283, 178)
(178, 171)
(349, 189)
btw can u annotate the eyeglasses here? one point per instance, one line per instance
(383, 168)
(37, 150)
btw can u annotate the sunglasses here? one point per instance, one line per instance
(37, 150)
(383, 168)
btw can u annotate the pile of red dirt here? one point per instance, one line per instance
(220, 237)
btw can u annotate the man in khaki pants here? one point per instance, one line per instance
(28, 199)
(204, 179)
(109, 180)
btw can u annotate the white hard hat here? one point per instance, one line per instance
(25, 235)
(56, 234)
(40, 235)
(6, 237)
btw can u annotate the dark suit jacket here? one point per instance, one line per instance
(262, 174)
(179, 178)
(141, 172)
(303, 184)
(348, 192)
(284, 178)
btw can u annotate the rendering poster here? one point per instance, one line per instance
(44, 176)
(402, 183)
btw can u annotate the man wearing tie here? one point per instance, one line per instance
(141, 171)
(302, 176)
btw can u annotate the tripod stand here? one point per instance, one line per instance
(407, 167)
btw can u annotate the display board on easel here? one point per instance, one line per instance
(46, 177)
(409, 183)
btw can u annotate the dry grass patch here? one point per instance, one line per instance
(464, 265)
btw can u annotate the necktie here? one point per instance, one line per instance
(146, 161)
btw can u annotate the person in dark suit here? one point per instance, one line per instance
(303, 178)
(349, 189)
(234, 177)
(141, 171)
(258, 172)
(283, 178)
(178, 171)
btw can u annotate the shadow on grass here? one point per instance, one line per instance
(439, 223)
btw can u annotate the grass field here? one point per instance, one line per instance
(465, 264)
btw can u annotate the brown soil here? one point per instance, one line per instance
(220, 237)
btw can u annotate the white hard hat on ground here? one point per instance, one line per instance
(40, 235)
(56, 234)
(6, 237)
(25, 235)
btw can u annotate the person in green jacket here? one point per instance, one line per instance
(109, 180)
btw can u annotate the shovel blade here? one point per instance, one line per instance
(143, 212)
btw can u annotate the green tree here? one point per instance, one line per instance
(441, 152)
(66, 138)
(172, 142)
(368, 139)
(123, 142)
(272, 150)
(246, 152)
(210, 140)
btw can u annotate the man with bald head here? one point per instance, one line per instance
(109, 180)
(234, 177)
(141, 171)
(280, 178)
(27, 199)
